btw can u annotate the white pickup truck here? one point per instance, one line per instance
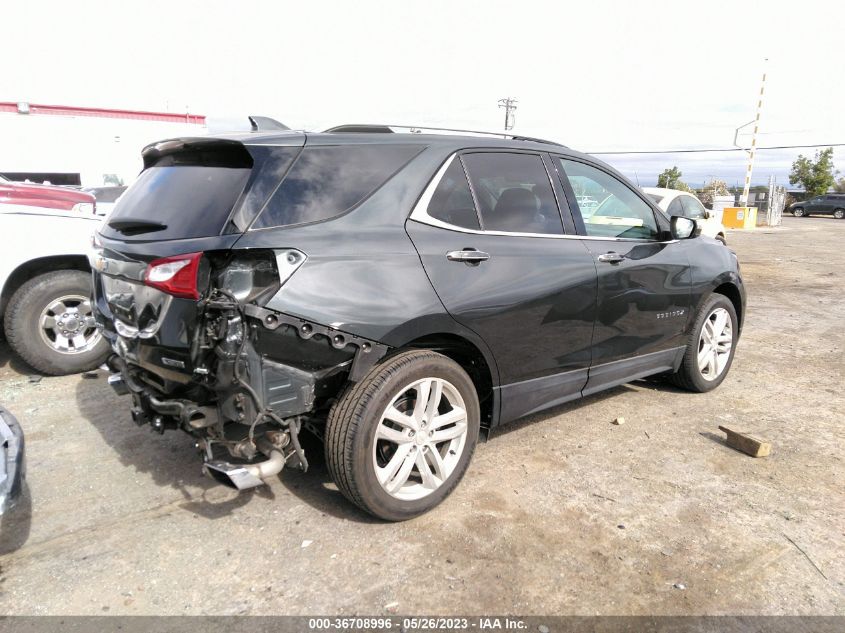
(45, 288)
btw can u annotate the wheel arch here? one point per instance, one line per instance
(39, 266)
(472, 360)
(732, 292)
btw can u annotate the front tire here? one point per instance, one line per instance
(710, 347)
(839, 214)
(798, 212)
(49, 323)
(399, 441)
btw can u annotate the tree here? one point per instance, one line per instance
(839, 187)
(714, 187)
(816, 176)
(671, 179)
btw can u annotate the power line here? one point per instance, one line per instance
(729, 149)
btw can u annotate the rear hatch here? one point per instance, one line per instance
(195, 196)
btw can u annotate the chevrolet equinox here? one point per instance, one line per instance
(396, 295)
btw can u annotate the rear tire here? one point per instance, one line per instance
(377, 433)
(46, 299)
(707, 359)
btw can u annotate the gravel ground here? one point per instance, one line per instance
(562, 513)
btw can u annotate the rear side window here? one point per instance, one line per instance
(325, 182)
(177, 202)
(452, 200)
(513, 193)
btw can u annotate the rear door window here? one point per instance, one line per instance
(452, 201)
(513, 192)
(326, 182)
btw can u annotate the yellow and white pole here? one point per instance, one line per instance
(743, 201)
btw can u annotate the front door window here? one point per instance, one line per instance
(608, 207)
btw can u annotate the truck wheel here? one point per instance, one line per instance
(839, 214)
(49, 323)
(398, 442)
(710, 347)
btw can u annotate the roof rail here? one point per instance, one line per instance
(387, 128)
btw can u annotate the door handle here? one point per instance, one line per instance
(611, 258)
(468, 256)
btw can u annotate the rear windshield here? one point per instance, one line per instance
(177, 202)
(325, 182)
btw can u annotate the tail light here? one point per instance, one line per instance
(175, 275)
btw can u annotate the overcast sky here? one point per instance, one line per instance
(594, 75)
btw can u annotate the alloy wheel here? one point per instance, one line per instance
(714, 344)
(420, 438)
(67, 325)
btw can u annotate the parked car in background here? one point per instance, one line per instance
(45, 288)
(682, 203)
(829, 204)
(395, 295)
(46, 196)
(106, 197)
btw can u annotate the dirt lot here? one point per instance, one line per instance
(563, 513)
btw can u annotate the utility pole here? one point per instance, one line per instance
(509, 104)
(712, 182)
(743, 201)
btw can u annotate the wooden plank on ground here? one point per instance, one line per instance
(746, 443)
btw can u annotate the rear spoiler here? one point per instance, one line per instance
(206, 151)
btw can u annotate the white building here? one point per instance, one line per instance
(83, 146)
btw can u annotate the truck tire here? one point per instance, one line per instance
(399, 441)
(49, 324)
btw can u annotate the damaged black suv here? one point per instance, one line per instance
(396, 295)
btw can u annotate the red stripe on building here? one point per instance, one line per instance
(106, 113)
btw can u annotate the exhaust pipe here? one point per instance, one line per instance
(243, 476)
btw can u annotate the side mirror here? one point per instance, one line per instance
(683, 228)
